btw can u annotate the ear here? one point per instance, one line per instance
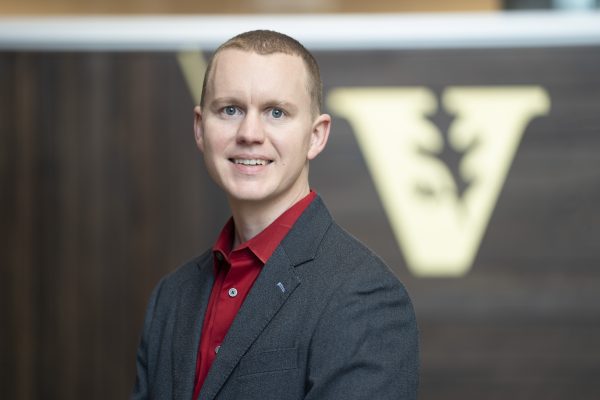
(198, 132)
(319, 135)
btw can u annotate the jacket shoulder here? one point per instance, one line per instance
(177, 281)
(347, 253)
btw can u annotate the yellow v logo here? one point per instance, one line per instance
(192, 65)
(438, 230)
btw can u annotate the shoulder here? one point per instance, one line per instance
(366, 322)
(335, 254)
(345, 272)
(352, 258)
(187, 270)
(182, 279)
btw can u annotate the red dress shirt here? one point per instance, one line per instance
(235, 272)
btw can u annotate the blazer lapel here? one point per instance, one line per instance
(270, 291)
(193, 301)
(272, 288)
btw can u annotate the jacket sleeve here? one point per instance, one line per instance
(141, 389)
(366, 343)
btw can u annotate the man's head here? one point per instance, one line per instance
(266, 42)
(258, 124)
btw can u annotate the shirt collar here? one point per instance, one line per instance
(264, 244)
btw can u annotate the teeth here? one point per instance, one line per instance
(249, 162)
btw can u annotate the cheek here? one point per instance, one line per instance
(290, 151)
(214, 139)
(212, 153)
(295, 140)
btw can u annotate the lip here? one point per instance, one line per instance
(250, 164)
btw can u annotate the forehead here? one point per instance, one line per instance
(238, 72)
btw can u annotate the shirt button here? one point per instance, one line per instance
(232, 292)
(217, 349)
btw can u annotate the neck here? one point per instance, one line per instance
(252, 217)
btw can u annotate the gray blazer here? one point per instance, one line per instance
(325, 319)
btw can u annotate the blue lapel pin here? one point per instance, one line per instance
(281, 287)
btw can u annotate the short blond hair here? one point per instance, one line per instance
(265, 42)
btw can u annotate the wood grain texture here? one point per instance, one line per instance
(103, 192)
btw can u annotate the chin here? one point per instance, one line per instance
(250, 195)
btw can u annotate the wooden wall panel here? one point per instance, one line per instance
(103, 192)
(98, 162)
(525, 321)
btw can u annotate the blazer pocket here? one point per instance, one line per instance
(268, 361)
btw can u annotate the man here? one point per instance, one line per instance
(286, 305)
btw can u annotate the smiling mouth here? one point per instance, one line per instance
(249, 162)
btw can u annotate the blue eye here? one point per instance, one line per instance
(229, 110)
(276, 113)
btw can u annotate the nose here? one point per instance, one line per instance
(250, 130)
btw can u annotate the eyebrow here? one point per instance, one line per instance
(286, 105)
(224, 100)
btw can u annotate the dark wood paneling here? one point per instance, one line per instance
(98, 166)
(524, 323)
(103, 192)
